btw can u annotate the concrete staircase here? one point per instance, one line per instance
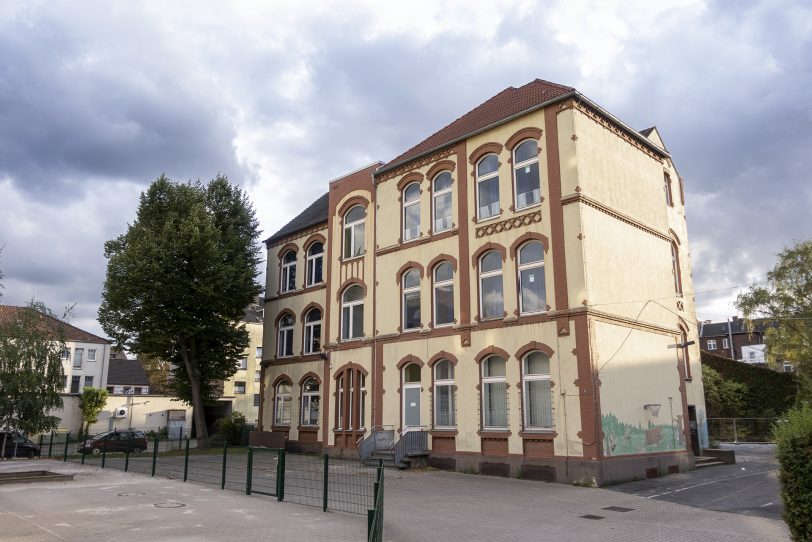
(702, 461)
(388, 457)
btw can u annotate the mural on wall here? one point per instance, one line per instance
(623, 438)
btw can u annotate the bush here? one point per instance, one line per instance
(793, 437)
(231, 429)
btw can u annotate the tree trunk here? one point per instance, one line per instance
(190, 359)
(3, 449)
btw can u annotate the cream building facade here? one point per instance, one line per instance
(516, 288)
(242, 390)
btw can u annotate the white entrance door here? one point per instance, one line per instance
(411, 406)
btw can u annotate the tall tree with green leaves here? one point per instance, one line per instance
(178, 281)
(31, 376)
(786, 302)
(91, 403)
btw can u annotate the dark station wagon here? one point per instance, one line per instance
(115, 441)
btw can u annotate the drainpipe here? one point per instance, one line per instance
(730, 338)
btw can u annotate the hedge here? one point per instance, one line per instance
(769, 393)
(793, 437)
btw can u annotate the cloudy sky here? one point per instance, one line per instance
(99, 99)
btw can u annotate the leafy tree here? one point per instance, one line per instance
(31, 376)
(786, 303)
(91, 403)
(723, 398)
(179, 280)
(159, 373)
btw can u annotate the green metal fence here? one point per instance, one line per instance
(375, 514)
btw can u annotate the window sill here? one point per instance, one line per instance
(494, 433)
(347, 260)
(280, 428)
(308, 428)
(544, 434)
(484, 220)
(444, 432)
(526, 207)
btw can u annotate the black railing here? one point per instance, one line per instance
(375, 514)
(412, 441)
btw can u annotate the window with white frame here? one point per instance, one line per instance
(312, 331)
(282, 403)
(711, 344)
(78, 354)
(75, 381)
(725, 343)
(494, 393)
(411, 299)
(310, 402)
(411, 212)
(354, 232)
(444, 394)
(491, 296)
(285, 345)
(443, 294)
(362, 399)
(91, 354)
(487, 187)
(441, 195)
(340, 402)
(257, 376)
(675, 268)
(526, 174)
(88, 382)
(532, 294)
(242, 363)
(66, 354)
(537, 392)
(315, 264)
(288, 272)
(258, 353)
(239, 388)
(352, 313)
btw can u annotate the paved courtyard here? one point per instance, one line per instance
(420, 506)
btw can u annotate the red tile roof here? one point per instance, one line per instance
(504, 105)
(8, 313)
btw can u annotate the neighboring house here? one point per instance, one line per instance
(732, 340)
(85, 358)
(508, 291)
(243, 389)
(127, 377)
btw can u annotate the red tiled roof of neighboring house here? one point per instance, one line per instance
(504, 105)
(8, 313)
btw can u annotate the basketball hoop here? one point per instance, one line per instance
(653, 409)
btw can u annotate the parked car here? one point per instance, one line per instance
(128, 440)
(17, 445)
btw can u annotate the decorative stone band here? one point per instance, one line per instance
(509, 224)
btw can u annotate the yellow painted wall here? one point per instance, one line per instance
(245, 402)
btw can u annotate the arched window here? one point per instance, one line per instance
(352, 313)
(310, 402)
(532, 295)
(315, 263)
(494, 393)
(669, 197)
(443, 294)
(442, 202)
(526, 174)
(350, 399)
(282, 403)
(340, 402)
(312, 331)
(410, 392)
(675, 268)
(682, 352)
(288, 272)
(537, 392)
(411, 299)
(411, 212)
(444, 394)
(354, 232)
(487, 187)
(491, 297)
(285, 344)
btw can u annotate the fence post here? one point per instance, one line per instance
(280, 476)
(250, 471)
(186, 461)
(154, 455)
(180, 440)
(65, 453)
(225, 456)
(735, 433)
(326, 482)
(50, 445)
(104, 452)
(370, 522)
(40, 443)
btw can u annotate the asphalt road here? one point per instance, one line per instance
(749, 487)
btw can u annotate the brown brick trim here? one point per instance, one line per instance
(346, 284)
(282, 313)
(350, 203)
(525, 237)
(560, 290)
(487, 247)
(675, 236)
(534, 346)
(525, 133)
(312, 239)
(308, 307)
(349, 365)
(588, 390)
(490, 351)
(296, 235)
(296, 292)
(414, 163)
(279, 379)
(482, 150)
(409, 178)
(441, 258)
(293, 359)
(586, 200)
(439, 167)
(415, 242)
(409, 359)
(286, 247)
(309, 374)
(441, 356)
(463, 245)
(405, 267)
